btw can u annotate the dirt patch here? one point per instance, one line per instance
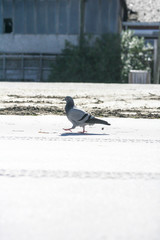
(30, 110)
(36, 96)
(126, 113)
(101, 112)
(104, 100)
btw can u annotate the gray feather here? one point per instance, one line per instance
(97, 121)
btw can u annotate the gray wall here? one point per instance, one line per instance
(30, 43)
(42, 26)
(59, 16)
(41, 16)
(101, 16)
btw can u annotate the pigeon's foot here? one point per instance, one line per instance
(84, 131)
(67, 129)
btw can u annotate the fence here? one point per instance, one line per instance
(25, 67)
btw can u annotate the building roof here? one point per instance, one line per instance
(149, 30)
(148, 10)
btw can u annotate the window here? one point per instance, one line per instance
(7, 25)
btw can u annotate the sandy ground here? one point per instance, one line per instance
(106, 100)
(102, 185)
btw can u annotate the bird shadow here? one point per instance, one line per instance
(83, 134)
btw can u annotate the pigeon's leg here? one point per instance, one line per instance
(83, 130)
(69, 129)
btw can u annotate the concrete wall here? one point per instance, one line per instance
(20, 43)
(43, 26)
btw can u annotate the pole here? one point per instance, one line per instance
(157, 73)
(82, 12)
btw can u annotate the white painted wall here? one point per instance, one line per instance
(49, 43)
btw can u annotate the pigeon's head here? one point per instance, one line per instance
(69, 99)
(69, 103)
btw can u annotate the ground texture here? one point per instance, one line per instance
(100, 185)
(105, 100)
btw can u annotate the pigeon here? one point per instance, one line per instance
(79, 117)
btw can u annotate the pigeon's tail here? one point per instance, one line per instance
(97, 121)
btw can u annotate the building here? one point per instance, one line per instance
(32, 32)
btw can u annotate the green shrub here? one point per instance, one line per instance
(108, 59)
(96, 60)
(135, 54)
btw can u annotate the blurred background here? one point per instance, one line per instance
(111, 41)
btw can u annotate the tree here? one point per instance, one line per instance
(96, 60)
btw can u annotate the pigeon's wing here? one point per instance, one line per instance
(78, 116)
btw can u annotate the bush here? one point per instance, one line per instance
(135, 55)
(96, 60)
(108, 59)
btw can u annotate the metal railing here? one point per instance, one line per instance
(25, 67)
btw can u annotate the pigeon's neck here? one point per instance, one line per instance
(69, 105)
